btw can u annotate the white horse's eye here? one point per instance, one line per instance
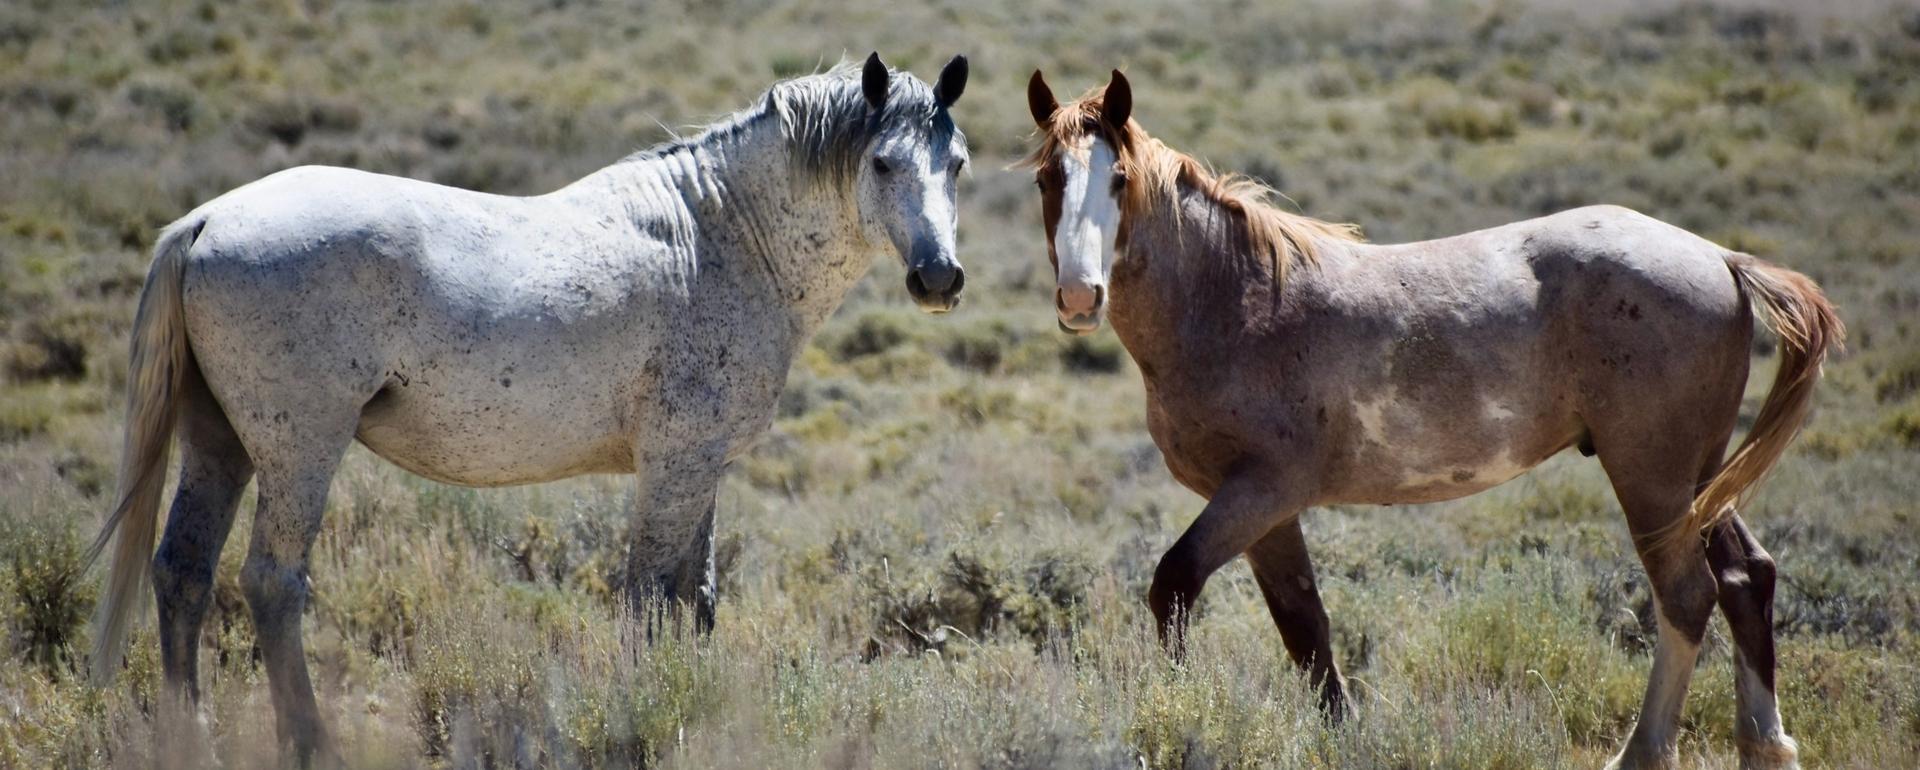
(958, 165)
(880, 166)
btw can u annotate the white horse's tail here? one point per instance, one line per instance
(157, 367)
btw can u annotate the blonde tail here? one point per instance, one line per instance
(1794, 308)
(157, 367)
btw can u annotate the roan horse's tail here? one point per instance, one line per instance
(157, 366)
(1797, 311)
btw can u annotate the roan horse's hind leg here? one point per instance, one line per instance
(1745, 573)
(1285, 573)
(1683, 592)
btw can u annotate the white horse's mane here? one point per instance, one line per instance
(825, 119)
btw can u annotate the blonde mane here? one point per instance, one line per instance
(1155, 173)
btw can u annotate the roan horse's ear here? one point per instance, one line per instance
(953, 81)
(1118, 104)
(1040, 100)
(873, 81)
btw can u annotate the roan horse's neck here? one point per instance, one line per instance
(1187, 277)
(738, 204)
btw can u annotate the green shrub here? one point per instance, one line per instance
(48, 597)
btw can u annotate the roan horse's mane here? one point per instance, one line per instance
(825, 119)
(1155, 173)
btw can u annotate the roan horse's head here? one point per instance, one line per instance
(906, 185)
(1081, 183)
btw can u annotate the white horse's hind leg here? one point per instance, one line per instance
(295, 472)
(214, 472)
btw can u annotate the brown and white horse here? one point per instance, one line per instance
(1287, 364)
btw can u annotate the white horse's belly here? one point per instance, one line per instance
(486, 436)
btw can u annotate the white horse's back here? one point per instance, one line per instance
(484, 334)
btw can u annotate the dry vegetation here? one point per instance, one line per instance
(937, 555)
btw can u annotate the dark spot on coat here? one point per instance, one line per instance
(506, 382)
(1462, 476)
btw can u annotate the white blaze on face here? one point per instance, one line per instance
(1083, 238)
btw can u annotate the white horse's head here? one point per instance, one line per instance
(905, 186)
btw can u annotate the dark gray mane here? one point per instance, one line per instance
(825, 120)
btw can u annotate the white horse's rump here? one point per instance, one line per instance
(639, 320)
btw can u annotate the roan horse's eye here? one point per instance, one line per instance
(880, 166)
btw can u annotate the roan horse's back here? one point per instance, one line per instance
(1433, 370)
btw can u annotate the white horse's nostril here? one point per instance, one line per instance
(1060, 299)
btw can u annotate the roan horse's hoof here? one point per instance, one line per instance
(1778, 752)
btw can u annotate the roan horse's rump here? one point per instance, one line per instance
(1289, 365)
(641, 320)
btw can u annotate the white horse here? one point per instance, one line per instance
(640, 320)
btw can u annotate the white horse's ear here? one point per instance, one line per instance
(1118, 104)
(953, 81)
(873, 81)
(1040, 100)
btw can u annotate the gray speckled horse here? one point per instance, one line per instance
(640, 320)
(1289, 365)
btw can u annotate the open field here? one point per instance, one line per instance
(937, 555)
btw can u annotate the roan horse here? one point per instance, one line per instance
(640, 320)
(1288, 365)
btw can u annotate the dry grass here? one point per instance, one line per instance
(936, 556)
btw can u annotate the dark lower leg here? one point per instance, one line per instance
(1245, 507)
(1284, 572)
(1745, 572)
(277, 594)
(214, 471)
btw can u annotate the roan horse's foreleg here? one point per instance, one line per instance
(1285, 573)
(1245, 507)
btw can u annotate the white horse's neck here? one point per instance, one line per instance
(737, 203)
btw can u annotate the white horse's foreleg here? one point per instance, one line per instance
(669, 551)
